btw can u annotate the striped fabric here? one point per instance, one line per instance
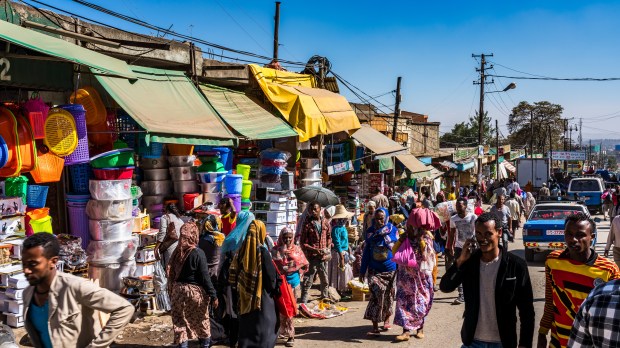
(568, 283)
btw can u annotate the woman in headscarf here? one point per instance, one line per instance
(229, 215)
(371, 206)
(191, 290)
(291, 261)
(171, 218)
(340, 271)
(529, 203)
(254, 276)
(231, 245)
(377, 260)
(415, 257)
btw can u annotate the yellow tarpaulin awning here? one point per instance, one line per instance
(311, 111)
(244, 115)
(379, 144)
(414, 165)
(168, 105)
(62, 49)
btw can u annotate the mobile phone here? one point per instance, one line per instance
(473, 245)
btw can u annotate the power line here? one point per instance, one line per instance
(580, 79)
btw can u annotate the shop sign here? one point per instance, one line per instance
(568, 155)
(340, 168)
(36, 74)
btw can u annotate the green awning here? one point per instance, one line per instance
(245, 116)
(62, 49)
(168, 105)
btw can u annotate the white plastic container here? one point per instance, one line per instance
(109, 210)
(145, 255)
(112, 251)
(14, 320)
(144, 269)
(276, 217)
(110, 189)
(16, 307)
(14, 294)
(110, 229)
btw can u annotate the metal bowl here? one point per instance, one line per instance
(182, 173)
(154, 163)
(181, 161)
(156, 174)
(186, 186)
(156, 188)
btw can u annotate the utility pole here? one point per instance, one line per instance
(496, 150)
(276, 33)
(550, 148)
(482, 82)
(322, 73)
(532, 135)
(580, 128)
(396, 108)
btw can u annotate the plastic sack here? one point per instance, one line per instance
(272, 170)
(275, 154)
(112, 251)
(160, 284)
(273, 163)
(110, 189)
(109, 210)
(7, 338)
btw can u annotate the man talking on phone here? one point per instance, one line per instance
(494, 281)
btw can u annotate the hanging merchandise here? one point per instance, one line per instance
(60, 132)
(27, 146)
(37, 196)
(103, 134)
(36, 111)
(81, 153)
(17, 187)
(273, 164)
(8, 131)
(92, 103)
(49, 166)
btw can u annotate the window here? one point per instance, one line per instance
(585, 185)
(553, 213)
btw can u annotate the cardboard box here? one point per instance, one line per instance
(147, 238)
(145, 255)
(141, 222)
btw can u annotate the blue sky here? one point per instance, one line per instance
(429, 44)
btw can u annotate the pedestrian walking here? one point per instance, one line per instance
(369, 215)
(254, 276)
(612, 238)
(377, 262)
(544, 192)
(340, 271)
(60, 309)
(452, 194)
(291, 261)
(503, 214)
(529, 203)
(570, 275)
(515, 212)
(168, 236)
(462, 228)
(496, 283)
(415, 257)
(191, 290)
(608, 204)
(380, 199)
(596, 323)
(315, 241)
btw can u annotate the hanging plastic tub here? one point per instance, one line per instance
(27, 146)
(8, 131)
(110, 189)
(37, 196)
(246, 190)
(79, 174)
(60, 132)
(4, 152)
(16, 187)
(109, 210)
(113, 159)
(94, 109)
(49, 166)
(180, 149)
(42, 225)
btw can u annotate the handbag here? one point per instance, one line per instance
(170, 238)
(405, 256)
(286, 302)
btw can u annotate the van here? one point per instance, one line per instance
(588, 189)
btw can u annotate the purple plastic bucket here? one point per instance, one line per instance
(78, 221)
(236, 199)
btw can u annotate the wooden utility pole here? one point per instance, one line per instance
(482, 82)
(550, 150)
(276, 33)
(496, 151)
(396, 108)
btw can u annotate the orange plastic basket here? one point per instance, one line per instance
(88, 96)
(49, 167)
(38, 213)
(180, 149)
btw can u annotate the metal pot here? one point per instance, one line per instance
(186, 186)
(313, 174)
(156, 174)
(182, 173)
(310, 163)
(152, 188)
(148, 201)
(181, 161)
(111, 275)
(154, 163)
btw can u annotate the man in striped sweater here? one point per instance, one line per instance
(570, 276)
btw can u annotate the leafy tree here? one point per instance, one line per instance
(546, 117)
(466, 133)
(612, 162)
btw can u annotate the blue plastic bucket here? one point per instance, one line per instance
(233, 184)
(226, 157)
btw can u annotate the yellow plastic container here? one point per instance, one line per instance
(246, 189)
(244, 170)
(42, 225)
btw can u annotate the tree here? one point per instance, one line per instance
(466, 134)
(546, 117)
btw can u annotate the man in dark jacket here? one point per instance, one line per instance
(495, 284)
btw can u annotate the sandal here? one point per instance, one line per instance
(419, 334)
(385, 327)
(403, 337)
(374, 333)
(290, 342)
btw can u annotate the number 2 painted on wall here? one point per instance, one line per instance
(6, 65)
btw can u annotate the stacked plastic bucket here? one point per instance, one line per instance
(78, 221)
(246, 185)
(37, 216)
(112, 247)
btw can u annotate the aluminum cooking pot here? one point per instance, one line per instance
(186, 186)
(154, 163)
(182, 173)
(156, 174)
(153, 188)
(148, 201)
(181, 161)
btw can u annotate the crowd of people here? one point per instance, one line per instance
(228, 282)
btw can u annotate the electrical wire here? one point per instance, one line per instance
(578, 79)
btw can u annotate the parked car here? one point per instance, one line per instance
(589, 189)
(544, 229)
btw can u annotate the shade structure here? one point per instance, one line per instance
(168, 105)
(65, 50)
(319, 194)
(414, 165)
(310, 111)
(378, 143)
(244, 115)
(509, 167)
